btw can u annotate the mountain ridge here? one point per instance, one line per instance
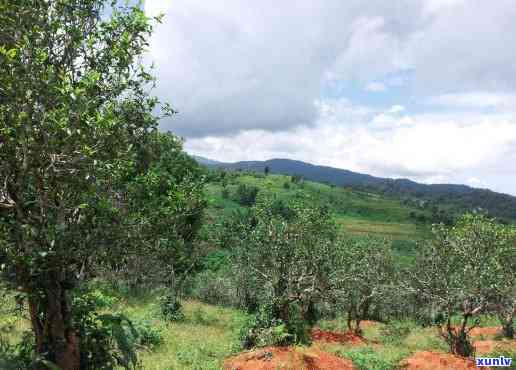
(456, 197)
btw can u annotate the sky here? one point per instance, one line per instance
(418, 89)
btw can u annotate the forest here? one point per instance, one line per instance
(118, 250)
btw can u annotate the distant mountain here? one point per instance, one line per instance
(206, 161)
(439, 197)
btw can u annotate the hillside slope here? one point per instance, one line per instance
(449, 198)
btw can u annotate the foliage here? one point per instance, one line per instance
(106, 340)
(171, 307)
(364, 276)
(264, 329)
(246, 195)
(463, 271)
(285, 264)
(164, 212)
(74, 118)
(216, 287)
(396, 331)
(368, 359)
(149, 335)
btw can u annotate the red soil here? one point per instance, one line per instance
(487, 346)
(273, 358)
(437, 361)
(489, 331)
(344, 338)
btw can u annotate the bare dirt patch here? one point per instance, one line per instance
(487, 346)
(427, 360)
(488, 331)
(334, 337)
(272, 358)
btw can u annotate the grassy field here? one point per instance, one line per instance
(209, 334)
(358, 212)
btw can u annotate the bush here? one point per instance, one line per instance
(264, 330)
(199, 316)
(16, 357)
(395, 332)
(171, 307)
(367, 359)
(281, 208)
(149, 335)
(107, 341)
(215, 287)
(246, 195)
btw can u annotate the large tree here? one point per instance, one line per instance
(74, 114)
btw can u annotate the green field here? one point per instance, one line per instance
(358, 212)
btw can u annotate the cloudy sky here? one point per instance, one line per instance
(421, 89)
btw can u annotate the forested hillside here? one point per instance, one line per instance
(439, 199)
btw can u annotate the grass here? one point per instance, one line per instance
(358, 212)
(202, 341)
(209, 334)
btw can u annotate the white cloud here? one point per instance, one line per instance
(396, 109)
(375, 87)
(247, 78)
(432, 148)
(476, 100)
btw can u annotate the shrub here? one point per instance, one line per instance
(396, 331)
(149, 335)
(20, 356)
(106, 340)
(264, 330)
(171, 307)
(367, 359)
(215, 287)
(246, 195)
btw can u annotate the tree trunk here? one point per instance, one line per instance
(508, 328)
(457, 338)
(56, 339)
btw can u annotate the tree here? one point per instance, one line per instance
(287, 262)
(464, 271)
(266, 170)
(75, 111)
(364, 275)
(164, 209)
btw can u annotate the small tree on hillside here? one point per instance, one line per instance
(363, 277)
(463, 272)
(288, 261)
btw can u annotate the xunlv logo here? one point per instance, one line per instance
(494, 361)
